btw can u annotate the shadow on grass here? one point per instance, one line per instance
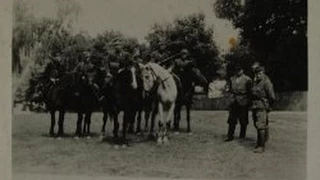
(70, 135)
(130, 140)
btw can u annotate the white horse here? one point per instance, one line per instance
(159, 81)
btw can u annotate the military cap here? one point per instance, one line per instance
(87, 53)
(184, 51)
(238, 67)
(259, 69)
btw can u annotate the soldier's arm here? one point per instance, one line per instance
(249, 86)
(270, 92)
(249, 89)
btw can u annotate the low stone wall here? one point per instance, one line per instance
(290, 101)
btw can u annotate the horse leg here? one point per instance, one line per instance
(115, 126)
(53, 123)
(161, 128)
(79, 125)
(177, 117)
(139, 120)
(188, 106)
(88, 122)
(84, 127)
(104, 119)
(146, 117)
(153, 117)
(125, 122)
(61, 122)
(131, 125)
(168, 122)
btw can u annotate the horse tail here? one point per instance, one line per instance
(179, 87)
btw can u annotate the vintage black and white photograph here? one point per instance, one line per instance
(171, 89)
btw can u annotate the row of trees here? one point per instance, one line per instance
(271, 32)
(274, 33)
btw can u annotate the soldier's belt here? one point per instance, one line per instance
(239, 94)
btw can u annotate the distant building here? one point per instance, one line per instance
(217, 88)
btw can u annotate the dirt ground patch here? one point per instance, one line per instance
(201, 155)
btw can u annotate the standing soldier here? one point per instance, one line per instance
(263, 97)
(239, 88)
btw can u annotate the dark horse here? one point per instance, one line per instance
(58, 96)
(189, 76)
(120, 94)
(87, 97)
(68, 93)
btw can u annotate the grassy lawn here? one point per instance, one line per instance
(201, 155)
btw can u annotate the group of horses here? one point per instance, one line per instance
(140, 90)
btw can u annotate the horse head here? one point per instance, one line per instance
(148, 77)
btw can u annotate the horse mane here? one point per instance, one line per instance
(67, 80)
(161, 72)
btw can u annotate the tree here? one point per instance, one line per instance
(189, 32)
(34, 39)
(112, 47)
(275, 32)
(23, 36)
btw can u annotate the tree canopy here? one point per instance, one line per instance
(189, 32)
(276, 34)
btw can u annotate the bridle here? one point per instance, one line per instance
(158, 79)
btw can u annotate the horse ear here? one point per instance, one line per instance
(141, 66)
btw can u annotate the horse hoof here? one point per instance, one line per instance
(190, 133)
(76, 137)
(88, 137)
(159, 141)
(116, 146)
(176, 133)
(165, 140)
(101, 137)
(124, 146)
(59, 138)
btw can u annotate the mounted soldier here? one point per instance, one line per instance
(54, 69)
(85, 71)
(52, 74)
(177, 65)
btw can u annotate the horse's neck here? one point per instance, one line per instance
(160, 71)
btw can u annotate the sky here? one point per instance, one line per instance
(134, 18)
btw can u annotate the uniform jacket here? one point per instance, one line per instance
(263, 95)
(240, 88)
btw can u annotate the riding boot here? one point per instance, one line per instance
(261, 146)
(258, 142)
(243, 131)
(231, 130)
(267, 135)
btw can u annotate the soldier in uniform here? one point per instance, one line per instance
(177, 65)
(263, 97)
(54, 69)
(239, 89)
(85, 67)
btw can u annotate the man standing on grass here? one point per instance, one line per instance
(239, 89)
(263, 98)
